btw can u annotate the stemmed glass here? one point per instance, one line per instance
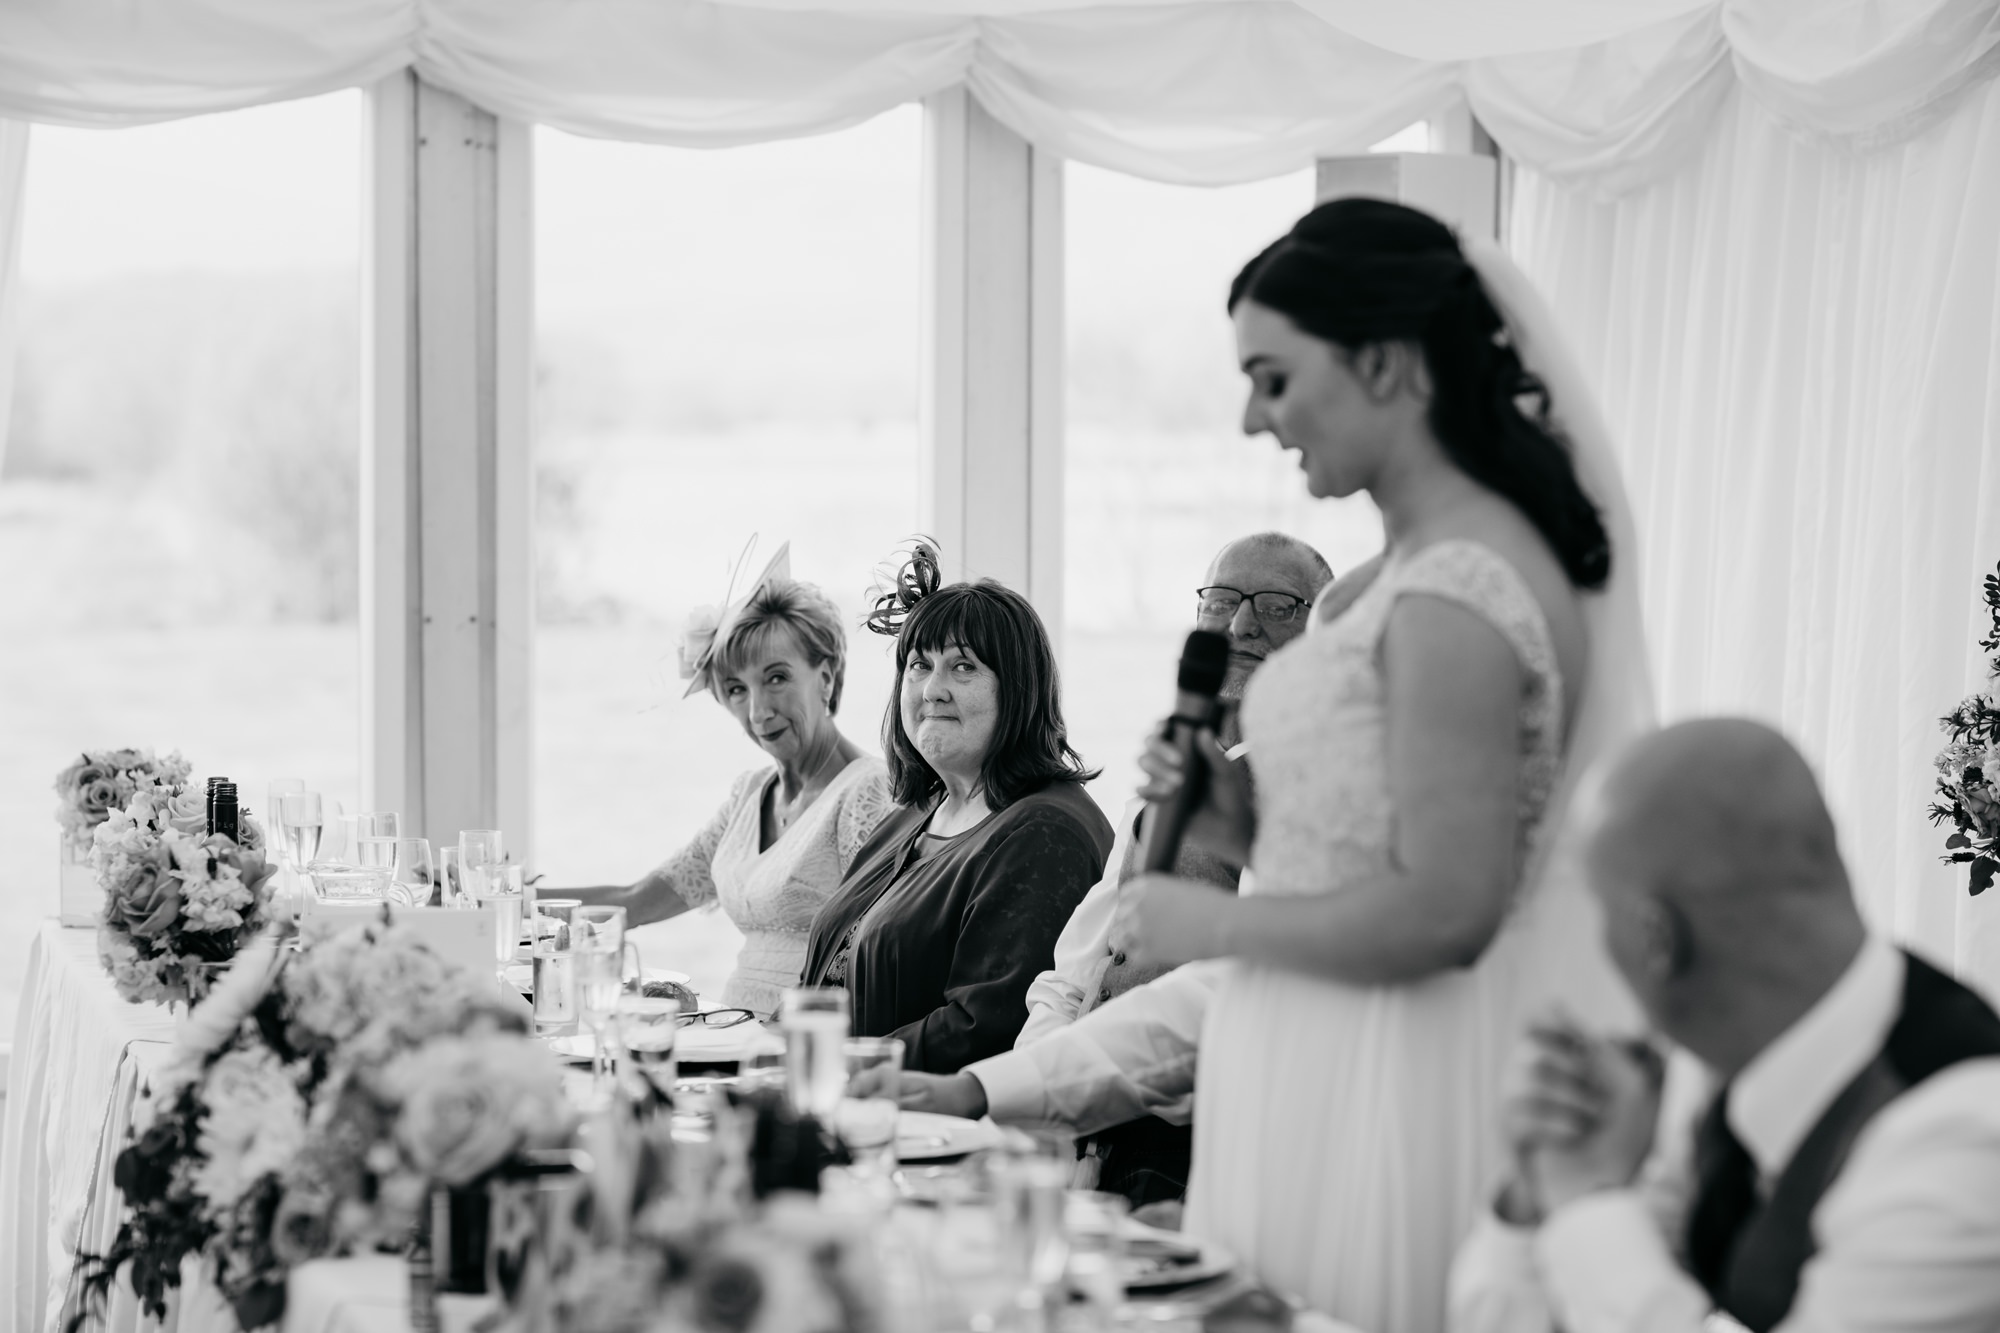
(604, 961)
(295, 822)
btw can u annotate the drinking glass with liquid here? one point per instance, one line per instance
(814, 1021)
(555, 973)
(867, 1125)
(499, 887)
(646, 1028)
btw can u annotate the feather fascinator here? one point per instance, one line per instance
(706, 626)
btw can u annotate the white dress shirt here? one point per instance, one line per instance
(1083, 950)
(1908, 1233)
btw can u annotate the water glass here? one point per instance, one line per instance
(646, 1028)
(499, 887)
(1095, 1225)
(409, 871)
(1029, 1192)
(479, 847)
(555, 973)
(450, 894)
(814, 1021)
(868, 1125)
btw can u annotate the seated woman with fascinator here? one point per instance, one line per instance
(954, 905)
(776, 657)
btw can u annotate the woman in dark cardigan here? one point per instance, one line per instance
(954, 905)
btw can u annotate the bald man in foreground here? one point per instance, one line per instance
(1842, 1168)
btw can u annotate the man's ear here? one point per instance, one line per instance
(1667, 941)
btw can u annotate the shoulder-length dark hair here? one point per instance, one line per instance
(1359, 271)
(1030, 747)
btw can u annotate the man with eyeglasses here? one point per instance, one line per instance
(1260, 591)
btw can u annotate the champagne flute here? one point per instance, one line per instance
(602, 956)
(499, 887)
(299, 821)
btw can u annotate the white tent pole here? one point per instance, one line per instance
(992, 397)
(446, 540)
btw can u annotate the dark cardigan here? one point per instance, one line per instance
(945, 964)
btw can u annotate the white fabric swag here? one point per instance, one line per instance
(1796, 346)
(1613, 92)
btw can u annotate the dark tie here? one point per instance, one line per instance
(1725, 1196)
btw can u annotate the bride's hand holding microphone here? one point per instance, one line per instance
(1193, 791)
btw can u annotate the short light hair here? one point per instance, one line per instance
(801, 609)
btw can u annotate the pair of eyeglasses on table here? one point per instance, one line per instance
(715, 1018)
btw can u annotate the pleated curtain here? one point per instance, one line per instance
(1797, 345)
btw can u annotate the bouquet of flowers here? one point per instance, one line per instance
(1968, 768)
(178, 900)
(306, 1110)
(718, 1236)
(102, 781)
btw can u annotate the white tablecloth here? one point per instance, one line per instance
(81, 1055)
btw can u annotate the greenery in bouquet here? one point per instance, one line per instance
(178, 901)
(100, 782)
(722, 1235)
(1968, 768)
(308, 1105)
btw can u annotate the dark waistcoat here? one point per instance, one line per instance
(1748, 1251)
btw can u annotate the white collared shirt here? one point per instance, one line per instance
(1908, 1234)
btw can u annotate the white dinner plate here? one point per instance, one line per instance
(924, 1136)
(1156, 1259)
(578, 1047)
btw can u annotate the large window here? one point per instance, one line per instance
(1160, 475)
(728, 345)
(178, 482)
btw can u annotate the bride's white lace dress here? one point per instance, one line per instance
(1345, 1135)
(772, 893)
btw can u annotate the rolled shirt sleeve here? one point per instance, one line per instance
(1133, 1057)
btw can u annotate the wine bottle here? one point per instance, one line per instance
(213, 783)
(225, 821)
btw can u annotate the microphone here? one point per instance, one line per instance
(1204, 663)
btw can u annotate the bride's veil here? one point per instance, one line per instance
(1556, 920)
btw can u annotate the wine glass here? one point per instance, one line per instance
(275, 788)
(298, 818)
(478, 848)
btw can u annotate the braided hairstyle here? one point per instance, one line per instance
(1359, 271)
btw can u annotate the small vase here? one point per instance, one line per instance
(79, 898)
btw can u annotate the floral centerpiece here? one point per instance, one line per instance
(178, 901)
(717, 1235)
(1968, 768)
(308, 1107)
(100, 782)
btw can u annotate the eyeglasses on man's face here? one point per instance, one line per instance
(1273, 608)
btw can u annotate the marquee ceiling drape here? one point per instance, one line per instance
(1610, 93)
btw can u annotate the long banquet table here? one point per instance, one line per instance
(81, 1057)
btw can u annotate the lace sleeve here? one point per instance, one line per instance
(690, 870)
(866, 804)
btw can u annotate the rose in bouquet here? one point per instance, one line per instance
(178, 902)
(1968, 768)
(100, 782)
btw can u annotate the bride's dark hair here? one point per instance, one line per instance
(1359, 271)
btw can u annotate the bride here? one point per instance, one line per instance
(1411, 757)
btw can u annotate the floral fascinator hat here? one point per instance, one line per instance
(706, 626)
